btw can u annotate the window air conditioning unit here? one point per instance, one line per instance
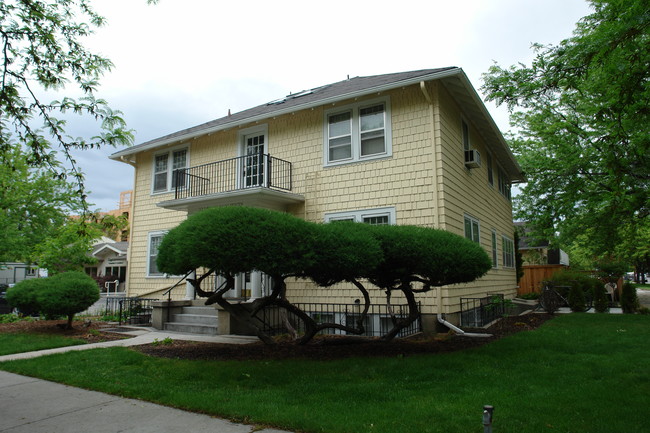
(472, 159)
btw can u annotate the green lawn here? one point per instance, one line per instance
(18, 343)
(577, 373)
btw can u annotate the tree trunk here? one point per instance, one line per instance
(412, 317)
(69, 325)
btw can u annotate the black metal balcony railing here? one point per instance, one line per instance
(250, 171)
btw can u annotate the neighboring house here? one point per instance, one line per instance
(123, 209)
(111, 261)
(415, 148)
(538, 252)
(15, 272)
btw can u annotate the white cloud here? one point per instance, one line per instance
(184, 62)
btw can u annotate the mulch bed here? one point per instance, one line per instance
(89, 331)
(321, 348)
(327, 348)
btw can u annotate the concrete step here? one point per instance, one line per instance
(191, 328)
(200, 319)
(200, 310)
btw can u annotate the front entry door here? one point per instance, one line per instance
(253, 161)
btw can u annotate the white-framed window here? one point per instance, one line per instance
(165, 166)
(154, 240)
(357, 132)
(508, 252)
(495, 251)
(472, 229)
(490, 169)
(377, 216)
(504, 184)
(465, 134)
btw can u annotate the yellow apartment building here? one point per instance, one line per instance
(416, 148)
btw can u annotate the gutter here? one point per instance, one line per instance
(454, 328)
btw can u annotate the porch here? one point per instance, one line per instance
(258, 180)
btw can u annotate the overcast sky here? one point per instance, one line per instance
(184, 62)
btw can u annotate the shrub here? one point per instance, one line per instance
(576, 298)
(568, 279)
(23, 295)
(601, 299)
(67, 294)
(629, 300)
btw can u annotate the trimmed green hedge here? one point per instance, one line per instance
(63, 294)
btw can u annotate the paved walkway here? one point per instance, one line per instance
(30, 405)
(140, 336)
(644, 297)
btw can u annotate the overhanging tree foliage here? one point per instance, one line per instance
(232, 240)
(582, 111)
(33, 205)
(43, 51)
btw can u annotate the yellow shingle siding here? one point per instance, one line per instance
(406, 181)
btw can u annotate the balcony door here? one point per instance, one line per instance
(254, 148)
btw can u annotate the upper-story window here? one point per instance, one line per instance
(490, 169)
(165, 167)
(358, 132)
(504, 184)
(465, 131)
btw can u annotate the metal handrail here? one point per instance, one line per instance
(168, 292)
(233, 174)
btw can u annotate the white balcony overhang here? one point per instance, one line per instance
(260, 197)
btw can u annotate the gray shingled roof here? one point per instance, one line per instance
(122, 247)
(453, 78)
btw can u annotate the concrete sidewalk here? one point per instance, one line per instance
(30, 405)
(140, 336)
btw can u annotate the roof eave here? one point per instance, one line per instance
(501, 139)
(350, 95)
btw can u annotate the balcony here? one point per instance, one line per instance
(257, 180)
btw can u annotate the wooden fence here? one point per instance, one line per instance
(534, 275)
(531, 282)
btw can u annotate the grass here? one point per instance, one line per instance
(577, 373)
(18, 343)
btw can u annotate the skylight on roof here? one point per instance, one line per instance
(299, 94)
(291, 96)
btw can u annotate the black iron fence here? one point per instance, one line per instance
(377, 322)
(477, 312)
(131, 311)
(257, 170)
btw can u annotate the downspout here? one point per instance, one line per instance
(432, 138)
(454, 328)
(433, 114)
